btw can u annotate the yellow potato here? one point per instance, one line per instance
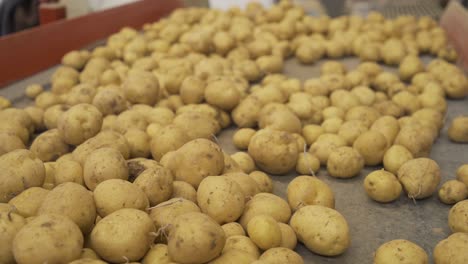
(233, 229)
(10, 224)
(458, 216)
(243, 243)
(372, 146)
(396, 156)
(458, 130)
(382, 186)
(28, 202)
(462, 174)
(264, 231)
(400, 251)
(280, 255)
(288, 237)
(453, 249)
(419, 177)
(344, 162)
(264, 182)
(453, 191)
(307, 190)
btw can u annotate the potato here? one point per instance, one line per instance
(103, 164)
(396, 156)
(264, 182)
(400, 251)
(306, 190)
(42, 240)
(197, 125)
(456, 86)
(244, 161)
(49, 146)
(241, 138)
(333, 112)
(344, 162)
(462, 174)
(156, 183)
(324, 145)
(264, 231)
(184, 190)
(167, 139)
(195, 238)
(246, 113)
(312, 221)
(33, 90)
(351, 130)
(123, 235)
(311, 133)
(72, 200)
(248, 185)
(309, 51)
(110, 101)
(277, 116)
(288, 237)
(141, 87)
(419, 177)
(234, 256)
(371, 152)
(243, 243)
(221, 198)
(138, 142)
(10, 142)
(37, 116)
(165, 213)
(453, 191)
(87, 253)
(410, 66)
(79, 123)
(28, 202)
(4, 103)
(266, 203)
(458, 130)
(382, 186)
(316, 87)
(46, 99)
(281, 147)
(49, 179)
(15, 129)
(10, 224)
(222, 93)
(158, 253)
(344, 99)
(280, 255)
(458, 216)
(452, 249)
(416, 138)
(19, 170)
(307, 164)
(233, 229)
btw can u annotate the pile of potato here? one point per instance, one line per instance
(119, 162)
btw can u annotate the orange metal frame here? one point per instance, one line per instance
(30, 51)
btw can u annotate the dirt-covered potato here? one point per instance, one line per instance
(458, 217)
(72, 200)
(382, 186)
(453, 249)
(344, 162)
(273, 151)
(42, 240)
(400, 251)
(124, 235)
(241, 138)
(195, 238)
(114, 194)
(394, 157)
(141, 87)
(280, 255)
(312, 221)
(372, 146)
(103, 164)
(19, 170)
(419, 177)
(221, 198)
(243, 243)
(453, 191)
(233, 229)
(49, 146)
(266, 203)
(458, 130)
(79, 123)
(28, 202)
(10, 224)
(264, 231)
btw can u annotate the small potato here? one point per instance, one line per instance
(52, 115)
(245, 161)
(195, 238)
(37, 241)
(233, 229)
(281, 255)
(382, 186)
(307, 190)
(4, 103)
(241, 138)
(28, 202)
(79, 123)
(273, 151)
(192, 90)
(334, 67)
(181, 189)
(332, 125)
(407, 101)
(396, 156)
(410, 66)
(222, 93)
(46, 100)
(458, 130)
(400, 251)
(19, 170)
(309, 52)
(419, 177)
(124, 235)
(234, 256)
(141, 87)
(372, 146)
(270, 64)
(264, 231)
(37, 116)
(312, 221)
(103, 164)
(458, 217)
(248, 185)
(197, 125)
(288, 237)
(333, 112)
(221, 198)
(351, 130)
(88, 253)
(110, 101)
(158, 253)
(453, 191)
(462, 174)
(33, 90)
(311, 133)
(266, 203)
(72, 200)
(165, 213)
(167, 139)
(115, 194)
(344, 99)
(246, 113)
(344, 162)
(364, 113)
(10, 142)
(138, 142)
(156, 183)
(264, 182)
(307, 164)
(453, 249)
(278, 116)
(324, 145)
(243, 243)
(49, 146)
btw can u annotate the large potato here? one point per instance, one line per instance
(419, 177)
(400, 251)
(68, 171)
(10, 224)
(19, 170)
(79, 123)
(277, 116)
(458, 217)
(124, 235)
(452, 250)
(274, 151)
(221, 198)
(315, 221)
(48, 238)
(195, 238)
(103, 164)
(308, 190)
(71, 200)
